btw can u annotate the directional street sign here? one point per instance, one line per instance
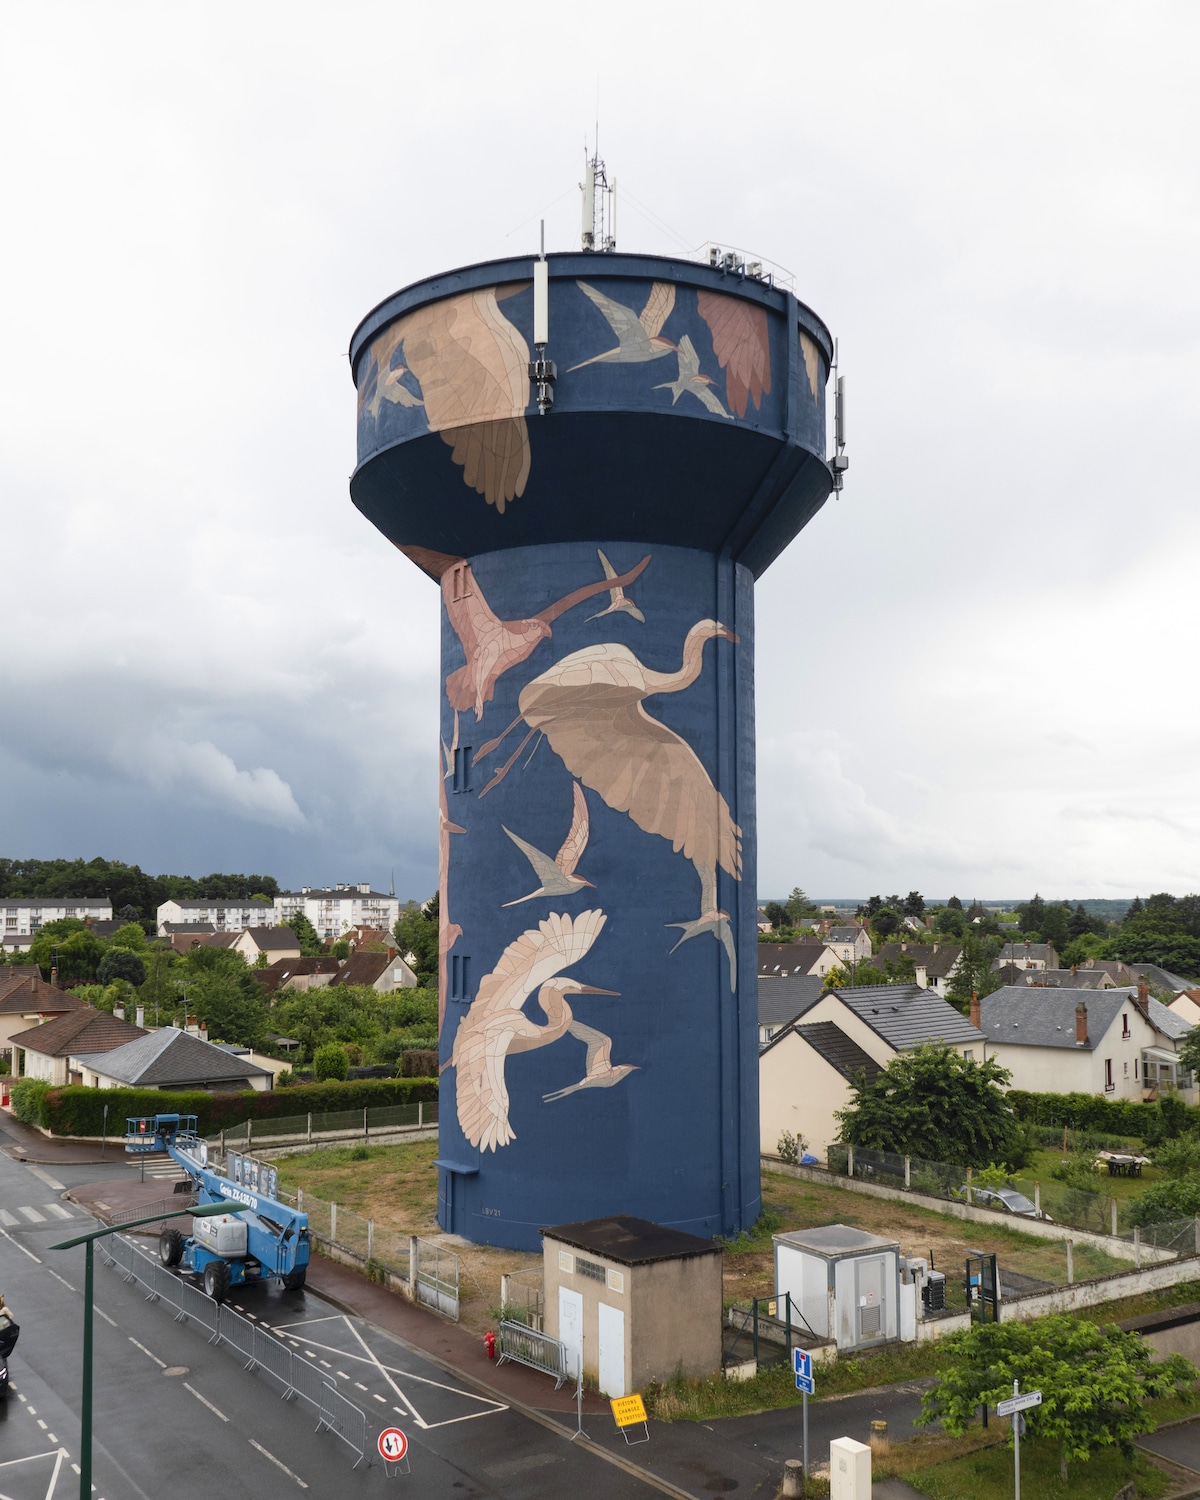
(1018, 1403)
(393, 1445)
(802, 1365)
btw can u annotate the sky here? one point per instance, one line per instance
(976, 668)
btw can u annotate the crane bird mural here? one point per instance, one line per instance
(496, 1024)
(590, 707)
(558, 875)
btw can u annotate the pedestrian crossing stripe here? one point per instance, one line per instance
(39, 1215)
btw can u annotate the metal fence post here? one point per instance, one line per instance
(249, 1134)
(310, 1125)
(365, 1125)
(1197, 1234)
(849, 1161)
(333, 1222)
(300, 1200)
(370, 1239)
(1137, 1247)
(412, 1267)
(908, 1171)
(1037, 1196)
(419, 1114)
(1113, 1216)
(1070, 1261)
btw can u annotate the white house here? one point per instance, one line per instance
(384, 972)
(934, 963)
(225, 916)
(852, 943)
(805, 1071)
(22, 917)
(26, 1000)
(334, 911)
(1116, 1043)
(48, 1048)
(1186, 1005)
(171, 1059)
(1027, 956)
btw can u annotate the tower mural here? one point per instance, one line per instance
(598, 974)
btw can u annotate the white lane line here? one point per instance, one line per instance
(278, 1464)
(311, 1354)
(20, 1247)
(8, 1220)
(52, 1438)
(32, 1215)
(101, 1313)
(204, 1402)
(51, 1182)
(378, 1397)
(65, 1283)
(325, 1362)
(162, 1364)
(360, 1385)
(343, 1374)
(32, 1413)
(41, 1424)
(58, 1210)
(374, 1358)
(493, 1406)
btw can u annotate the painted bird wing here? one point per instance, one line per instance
(705, 393)
(741, 342)
(576, 840)
(689, 360)
(604, 737)
(609, 570)
(481, 1093)
(538, 954)
(599, 1046)
(658, 307)
(545, 868)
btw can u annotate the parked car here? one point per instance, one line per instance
(1007, 1201)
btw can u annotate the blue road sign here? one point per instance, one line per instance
(802, 1365)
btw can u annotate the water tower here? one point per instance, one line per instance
(594, 456)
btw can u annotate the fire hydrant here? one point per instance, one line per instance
(489, 1343)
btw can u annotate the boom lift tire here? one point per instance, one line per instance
(170, 1247)
(216, 1280)
(294, 1280)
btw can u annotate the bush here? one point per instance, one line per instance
(790, 1148)
(330, 1061)
(418, 1063)
(1165, 1201)
(1092, 1112)
(29, 1100)
(1179, 1158)
(79, 1111)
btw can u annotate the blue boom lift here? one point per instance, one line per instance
(260, 1238)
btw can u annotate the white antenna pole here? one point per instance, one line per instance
(589, 205)
(542, 371)
(839, 462)
(613, 226)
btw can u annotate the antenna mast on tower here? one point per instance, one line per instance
(599, 203)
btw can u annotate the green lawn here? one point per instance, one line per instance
(1122, 1188)
(988, 1475)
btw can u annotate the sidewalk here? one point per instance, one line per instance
(23, 1143)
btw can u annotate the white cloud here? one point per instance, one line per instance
(198, 772)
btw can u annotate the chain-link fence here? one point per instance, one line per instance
(332, 1125)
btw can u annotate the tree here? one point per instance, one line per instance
(132, 936)
(885, 922)
(330, 1061)
(973, 974)
(1096, 1382)
(69, 947)
(1030, 914)
(955, 903)
(221, 992)
(870, 908)
(121, 963)
(311, 945)
(914, 905)
(1055, 928)
(1171, 950)
(797, 905)
(416, 932)
(950, 921)
(934, 1103)
(1080, 922)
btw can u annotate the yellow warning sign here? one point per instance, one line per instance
(627, 1410)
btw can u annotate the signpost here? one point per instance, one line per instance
(1013, 1407)
(630, 1411)
(393, 1448)
(802, 1366)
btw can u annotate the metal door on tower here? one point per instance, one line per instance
(570, 1325)
(612, 1350)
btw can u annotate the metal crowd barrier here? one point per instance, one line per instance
(524, 1346)
(260, 1349)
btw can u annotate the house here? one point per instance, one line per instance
(169, 1059)
(27, 1000)
(336, 910)
(225, 916)
(1027, 956)
(49, 1048)
(781, 1001)
(933, 963)
(780, 960)
(384, 972)
(276, 942)
(366, 937)
(851, 943)
(1119, 1042)
(22, 917)
(1059, 979)
(805, 1071)
(298, 973)
(1187, 1005)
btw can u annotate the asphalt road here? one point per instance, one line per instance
(175, 1416)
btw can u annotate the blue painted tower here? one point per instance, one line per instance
(598, 986)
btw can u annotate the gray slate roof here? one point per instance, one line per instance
(1165, 1020)
(1064, 979)
(905, 1015)
(937, 959)
(1043, 952)
(829, 1041)
(783, 1000)
(168, 1057)
(1020, 1015)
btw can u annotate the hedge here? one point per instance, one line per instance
(1094, 1112)
(79, 1111)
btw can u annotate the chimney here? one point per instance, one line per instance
(1081, 1025)
(33, 984)
(1074, 967)
(975, 1010)
(140, 1013)
(119, 1012)
(921, 975)
(1143, 997)
(391, 951)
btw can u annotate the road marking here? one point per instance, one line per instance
(20, 1247)
(311, 1354)
(491, 1407)
(58, 1210)
(105, 1316)
(378, 1397)
(325, 1362)
(360, 1385)
(51, 1182)
(52, 1438)
(32, 1215)
(41, 1424)
(278, 1464)
(374, 1358)
(204, 1402)
(9, 1220)
(65, 1283)
(343, 1375)
(161, 1363)
(32, 1413)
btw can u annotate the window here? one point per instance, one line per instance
(1126, 1070)
(460, 976)
(1125, 1025)
(462, 769)
(1135, 1071)
(1108, 1076)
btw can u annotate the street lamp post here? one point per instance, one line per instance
(88, 1240)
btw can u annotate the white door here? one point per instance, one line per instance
(570, 1325)
(612, 1350)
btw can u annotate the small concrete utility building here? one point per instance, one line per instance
(645, 1299)
(845, 1282)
